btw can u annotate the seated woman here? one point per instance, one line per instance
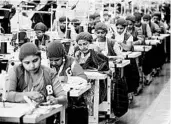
(137, 40)
(61, 63)
(42, 39)
(121, 36)
(63, 32)
(86, 56)
(32, 79)
(131, 71)
(90, 59)
(65, 66)
(106, 45)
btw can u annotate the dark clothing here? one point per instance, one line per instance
(22, 36)
(45, 40)
(119, 94)
(44, 17)
(100, 62)
(96, 60)
(131, 74)
(5, 22)
(110, 44)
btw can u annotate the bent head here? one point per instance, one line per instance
(30, 57)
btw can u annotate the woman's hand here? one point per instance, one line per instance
(36, 96)
(52, 100)
(63, 79)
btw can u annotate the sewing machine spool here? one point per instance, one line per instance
(68, 34)
(3, 47)
(81, 29)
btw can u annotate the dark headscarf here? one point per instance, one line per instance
(40, 26)
(131, 18)
(101, 26)
(63, 19)
(28, 49)
(121, 21)
(55, 49)
(147, 16)
(157, 14)
(137, 16)
(84, 36)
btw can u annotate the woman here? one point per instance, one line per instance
(65, 66)
(86, 56)
(121, 36)
(42, 39)
(32, 79)
(131, 71)
(107, 46)
(92, 60)
(137, 40)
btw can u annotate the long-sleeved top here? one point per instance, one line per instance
(62, 35)
(43, 42)
(19, 81)
(161, 26)
(73, 67)
(144, 31)
(125, 40)
(137, 39)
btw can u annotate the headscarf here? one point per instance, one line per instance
(40, 26)
(101, 26)
(28, 49)
(157, 14)
(84, 36)
(56, 50)
(131, 18)
(137, 16)
(63, 19)
(147, 16)
(121, 21)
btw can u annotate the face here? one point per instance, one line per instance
(146, 21)
(76, 26)
(138, 23)
(106, 17)
(39, 34)
(130, 24)
(101, 34)
(56, 62)
(156, 19)
(97, 19)
(120, 29)
(83, 45)
(31, 63)
(62, 25)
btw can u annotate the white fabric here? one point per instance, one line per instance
(24, 22)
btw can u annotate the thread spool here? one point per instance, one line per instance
(3, 47)
(81, 29)
(68, 34)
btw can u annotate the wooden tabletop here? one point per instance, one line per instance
(152, 42)
(132, 54)
(141, 48)
(76, 90)
(161, 37)
(13, 111)
(95, 75)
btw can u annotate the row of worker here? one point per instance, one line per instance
(91, 54)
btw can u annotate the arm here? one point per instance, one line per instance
(59, 93)
(128, 44)
(73, 33)
(18, 96)
(117, 49)
(149, 33)
(78, 70)
(13, 95)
